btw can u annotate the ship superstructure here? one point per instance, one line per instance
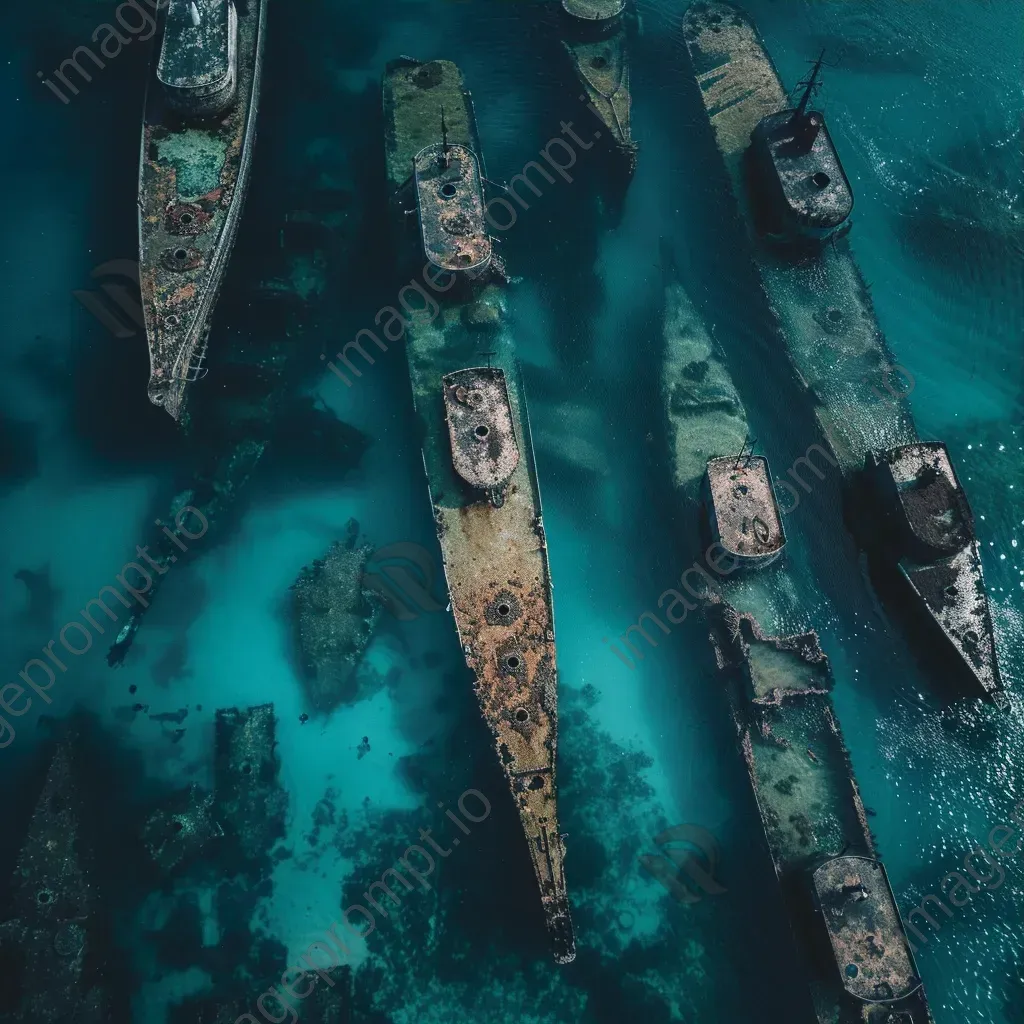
(776, 158)
(197, 142)
(478, 455)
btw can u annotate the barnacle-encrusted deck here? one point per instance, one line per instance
(745, 516)
(930, 537)
(450, 201)
(870, 947)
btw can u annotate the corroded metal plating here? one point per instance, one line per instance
(198, 62)
(486, 502)
(496, 565)
(815, 822)
(450, 200)
(484, 448)
(930, 537)
(857, 906)
(778, 686)
(745, 517)
(807, 191)
(193, 176)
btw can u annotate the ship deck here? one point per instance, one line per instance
(494, 551)
(826, 313)
(602, 66)
(193, 177)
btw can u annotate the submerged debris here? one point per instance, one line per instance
(181, 829)
(335, 616)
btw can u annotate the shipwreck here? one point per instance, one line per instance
(596, 39)
(478, 454)
(197, 143)
(55, 949)
(852, 947)
(789, 183)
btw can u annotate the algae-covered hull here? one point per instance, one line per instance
(778, 689)
(479, 463)
(193, 176)
(833, 886)
(824, 310)
(601, 63)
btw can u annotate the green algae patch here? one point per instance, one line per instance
(197, 159)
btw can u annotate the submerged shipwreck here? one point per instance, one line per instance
(851, 940)
(54, 949)
(596, 40)
(334, 613)
(478, 454)
(197, 142)
(791, 188)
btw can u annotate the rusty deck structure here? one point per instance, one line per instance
(197, 141)
(479, 463)
(778, 690)
(743, 513)
(825, 316)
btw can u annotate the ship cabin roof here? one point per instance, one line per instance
(931, 500)
(594, 10)
(746, 515)
(803, 159)
(198, 54)
(449, 196)
(868, 942)
(485, 451)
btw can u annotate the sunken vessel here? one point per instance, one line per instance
(55, 949)
(197, 142)
(478, 452)
(789, 183)
(596, 39)
(850, 938)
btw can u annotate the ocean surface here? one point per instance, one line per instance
(925, 104)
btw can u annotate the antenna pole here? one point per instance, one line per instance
(444, 138)
(812, 84)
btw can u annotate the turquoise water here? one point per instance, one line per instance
(925, 105)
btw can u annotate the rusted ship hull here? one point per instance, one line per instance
(825, 315)
(486, 501)
(778, 689)
(193, 176)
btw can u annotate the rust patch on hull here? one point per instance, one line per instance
(486, 500)
(193, 176)
(496, 564)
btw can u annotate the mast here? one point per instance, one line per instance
(445, 160)
(811, 84)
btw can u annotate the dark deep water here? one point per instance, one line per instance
(925, 106)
